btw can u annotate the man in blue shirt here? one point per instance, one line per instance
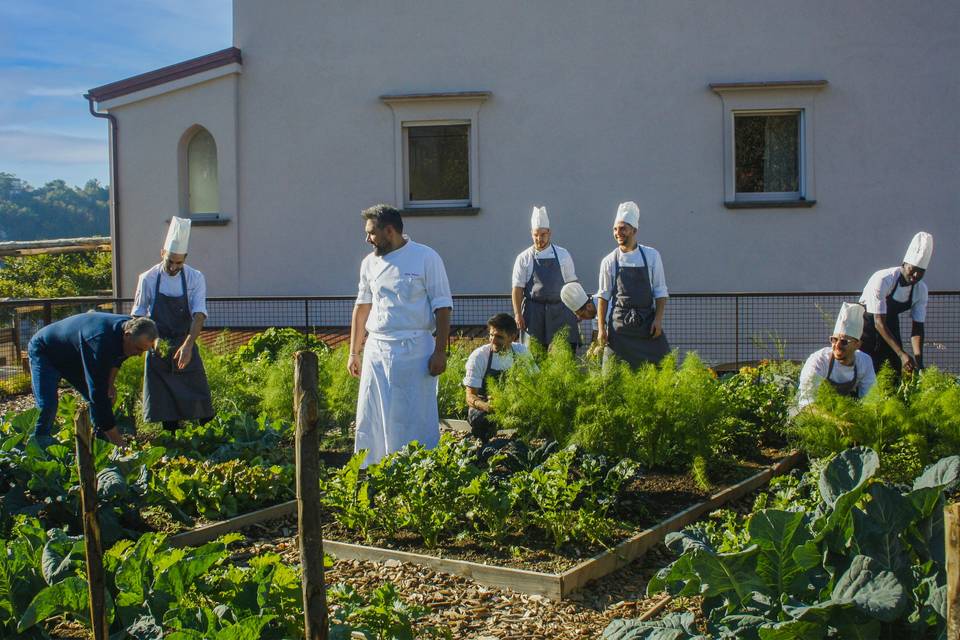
(86, 350)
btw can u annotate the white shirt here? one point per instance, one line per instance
(658, 282)
(523, 265)
(170, 286)
(405, 287)
(879, 286)
(477, 362)
(815, 371)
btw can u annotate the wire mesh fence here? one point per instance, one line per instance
(725, 329)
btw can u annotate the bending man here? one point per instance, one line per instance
(86, 350)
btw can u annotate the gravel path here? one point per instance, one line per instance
(471, 610)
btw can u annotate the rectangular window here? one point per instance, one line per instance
(767, 148)
(437, 164)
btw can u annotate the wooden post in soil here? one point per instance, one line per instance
(305, 400)
(951, 518)
(96, 582)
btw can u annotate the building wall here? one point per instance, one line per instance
(152, 138)
(592, 104)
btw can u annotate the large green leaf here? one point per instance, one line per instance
(778, 534)
(145, 627)
(111, 485)
(877, 529)
(942, 475)
(793, 630)
(673, 626)
(847, 472)
(730, 575)
(67, 596)
(871, 590)
(62, 556)
(247, 629)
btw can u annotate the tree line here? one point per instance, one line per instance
(54, 210)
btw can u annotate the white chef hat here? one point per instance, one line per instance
(920, 250)
(628, 212)
(849, 321)
(178, 235)
(573, 296)
(539, 218)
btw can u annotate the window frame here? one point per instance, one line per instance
(771, 196)
(434, 204)
(776, 97)
(425, 109)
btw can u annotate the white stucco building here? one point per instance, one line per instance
(771, 146)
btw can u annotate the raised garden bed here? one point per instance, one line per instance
(555, 584)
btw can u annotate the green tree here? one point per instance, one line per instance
(54, 276)
(54, 210)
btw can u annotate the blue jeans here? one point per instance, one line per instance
(44, 378)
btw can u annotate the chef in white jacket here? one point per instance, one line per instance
(890, 292)
(848, 370)
(539, 273)
(404, 303)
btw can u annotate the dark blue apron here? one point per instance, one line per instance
(873, 344)
(849, 388)
(632, 314)
(171, 394)
(542, 309)
(480, 424)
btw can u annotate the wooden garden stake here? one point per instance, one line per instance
(305, 400)
(96, 582)
(951, 520)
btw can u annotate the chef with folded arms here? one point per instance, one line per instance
(539, 273)
(849, 371)
(890, 292)
(632, 296)
(174, 296)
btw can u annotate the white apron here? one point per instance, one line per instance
(398, 397)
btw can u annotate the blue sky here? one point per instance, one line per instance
(53, 51)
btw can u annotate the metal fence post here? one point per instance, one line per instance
(736, 329)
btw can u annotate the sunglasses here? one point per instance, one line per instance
(843, 342)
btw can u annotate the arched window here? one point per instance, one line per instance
(204, 184)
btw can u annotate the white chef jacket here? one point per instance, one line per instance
(477, 362)
(523, 265)
(879, 286)
(170, 286)
(815, 369)
(658, 282)
(405, 287)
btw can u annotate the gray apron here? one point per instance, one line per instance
(171, 394)
(849, 388)
(630, 319)
(480, 424)
(542, 309)
(873, 344)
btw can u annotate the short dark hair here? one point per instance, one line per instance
(503, 322)
(384, 215)
(141, 327)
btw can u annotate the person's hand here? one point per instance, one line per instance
(656, 328)
(184, 354)
(602, 336)
(112, 392)
(521, 325)
(438, 363)
(353, 365)
(595, 350)
(907, 361)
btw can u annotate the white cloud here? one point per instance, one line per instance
(19, 146)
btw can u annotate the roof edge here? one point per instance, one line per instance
(157, 77)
